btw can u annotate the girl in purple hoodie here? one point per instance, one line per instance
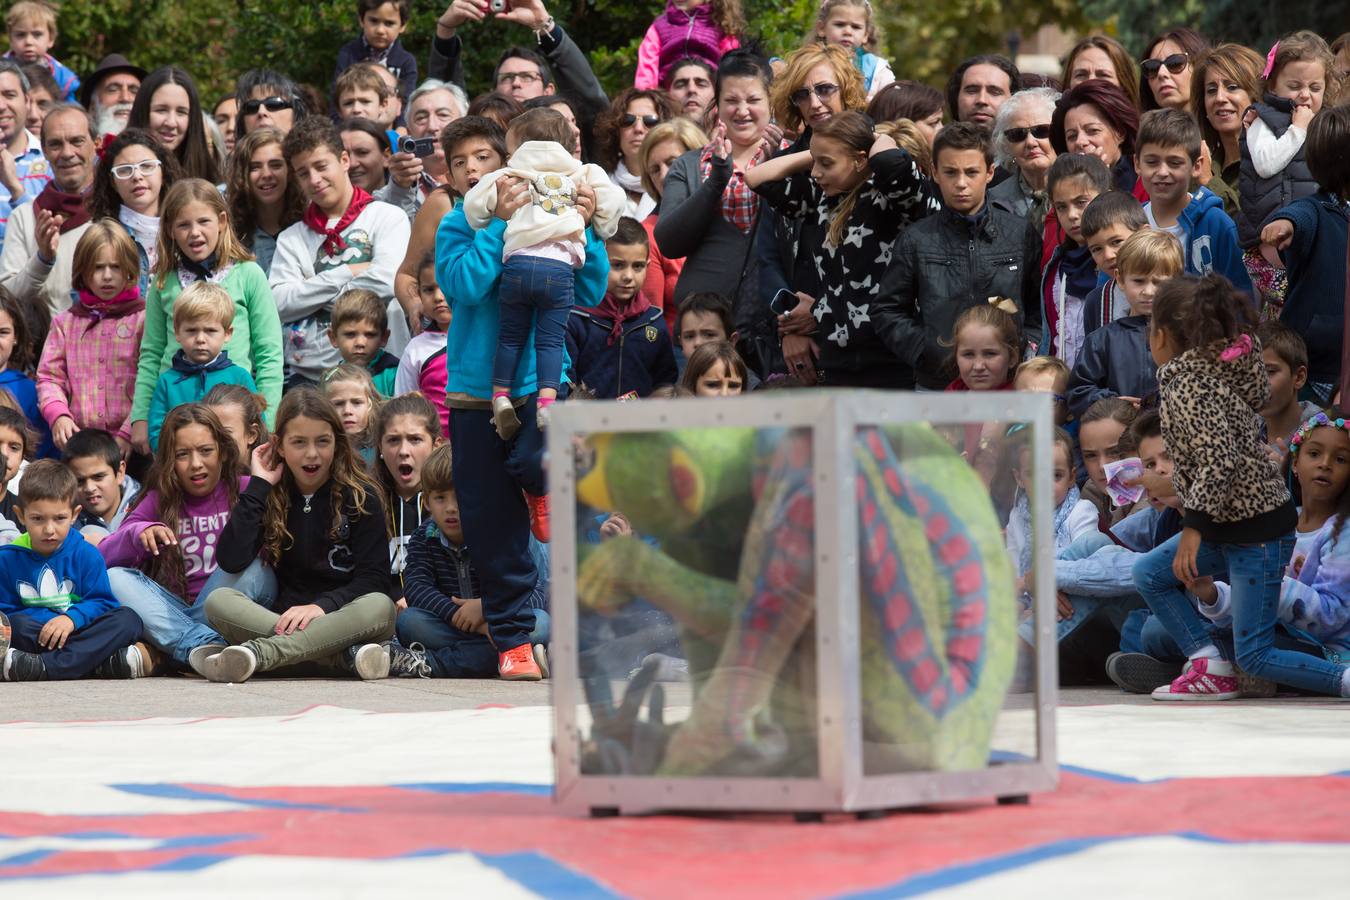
(161, 560)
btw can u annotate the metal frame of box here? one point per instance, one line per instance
(841, 785)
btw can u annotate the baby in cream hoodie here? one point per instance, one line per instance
(545, 242)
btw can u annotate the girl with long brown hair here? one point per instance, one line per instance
(315, 516)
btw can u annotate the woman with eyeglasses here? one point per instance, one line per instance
(129, 186)
(619, 132)
(168, 107)
(1165, 70)
(1022, 145)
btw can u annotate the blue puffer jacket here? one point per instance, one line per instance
(468, 269)
(640, 360)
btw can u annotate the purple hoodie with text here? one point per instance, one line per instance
(198, 530)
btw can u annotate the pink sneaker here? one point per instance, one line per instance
(1206, 679)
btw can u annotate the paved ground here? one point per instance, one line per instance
(185, 696)
(172, 787)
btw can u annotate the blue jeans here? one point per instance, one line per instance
(532, 285)
(1084, 608)
(178, 628)
(490, 475)
(1255, 573)
(85, 650)
(452, 652)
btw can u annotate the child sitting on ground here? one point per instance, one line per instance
(545, 242)
(1073, 516)
(1115, 361)
(58, 618)
(203, 323)
(621, 347)
(359, 330)
(1048, 375)
(1107, 221)
(715, 370)
(1286, 359)
(105, 488)
(443, 627)
(1099, 433)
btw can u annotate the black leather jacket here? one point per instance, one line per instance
(944, 265)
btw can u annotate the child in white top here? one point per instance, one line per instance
(545, 240)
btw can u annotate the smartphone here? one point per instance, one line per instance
(783, 302)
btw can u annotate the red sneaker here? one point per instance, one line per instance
(517, 664)
(538, 516)
(1206, 679)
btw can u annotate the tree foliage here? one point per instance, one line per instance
(1256, 23)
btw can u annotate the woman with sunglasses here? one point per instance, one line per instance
(1022, 145)
(818, 82)
(168, 107)
(129, 186)
(267, 99)
(619, 132)
(1165, 70)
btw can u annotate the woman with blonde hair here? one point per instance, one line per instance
(663, 145)
(817, 82)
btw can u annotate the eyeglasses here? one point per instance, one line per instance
(273, 104)
(629, 120)
(1176, 64)
(1018, 135)
(823, 91)
(522, 77)
(145, 168)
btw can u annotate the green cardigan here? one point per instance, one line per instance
(255, 344)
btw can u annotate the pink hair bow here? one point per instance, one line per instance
(1240, 347)
(1270, 60)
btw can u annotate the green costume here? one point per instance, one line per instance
(733, 511)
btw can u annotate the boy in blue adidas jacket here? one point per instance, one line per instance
(58, 617)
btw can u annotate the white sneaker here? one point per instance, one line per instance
(233, 665)
(197, 658)
(370, 662)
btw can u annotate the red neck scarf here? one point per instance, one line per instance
(317, 222)
(69, 206)
(89, 306)
(620, 312)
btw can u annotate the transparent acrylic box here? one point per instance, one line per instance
(804, 607)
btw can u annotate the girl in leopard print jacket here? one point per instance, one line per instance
(1238, 517)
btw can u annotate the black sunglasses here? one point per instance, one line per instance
(1018, 135)
(273, 104)
(629, 120)
(1176, 64)
(824, 91)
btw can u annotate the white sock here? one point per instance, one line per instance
(4, 668)
(1209, 651)
(1345, 683)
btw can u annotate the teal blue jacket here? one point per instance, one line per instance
(468, 269)
(186, 383)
